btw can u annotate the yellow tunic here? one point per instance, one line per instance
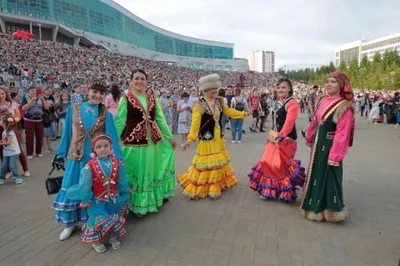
(210, 171)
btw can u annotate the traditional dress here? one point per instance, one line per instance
(149, 157)
(210, 171)
(104, 192)
(82, 122)
(330, 133)
(277, 174)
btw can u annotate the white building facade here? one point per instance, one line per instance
(361, 48)
(262, 61)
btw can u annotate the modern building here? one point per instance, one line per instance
(262, 61)
(362, 48)
(104, 23)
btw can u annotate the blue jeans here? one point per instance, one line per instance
(237, 127)
(9, 162)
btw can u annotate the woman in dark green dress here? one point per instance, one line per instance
(329, 136)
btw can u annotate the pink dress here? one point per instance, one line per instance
(111, 105)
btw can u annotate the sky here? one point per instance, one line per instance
(301, 32)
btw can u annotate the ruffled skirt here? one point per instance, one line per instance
(277, 174)
(210, 172)
(150, 173)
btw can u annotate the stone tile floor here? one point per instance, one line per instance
(239, 229)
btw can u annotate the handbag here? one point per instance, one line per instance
(272, 134)
(261, 113)
(53, 184)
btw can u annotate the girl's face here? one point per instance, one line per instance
(102, 148)
(95, 96)
(65, 98)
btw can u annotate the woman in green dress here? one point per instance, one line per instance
(147, 146)
(330, 135)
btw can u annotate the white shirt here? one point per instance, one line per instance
(13, 148)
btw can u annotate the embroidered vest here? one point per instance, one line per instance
(208, 123)
(139, 121)
(281, 118)
(104, 187)
(79, 134)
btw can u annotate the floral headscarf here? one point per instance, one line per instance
(345, 88)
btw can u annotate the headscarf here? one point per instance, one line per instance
(344, 83)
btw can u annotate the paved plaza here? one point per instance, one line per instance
(239, 229)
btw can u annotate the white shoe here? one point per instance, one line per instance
(66, 233)
(239, 141)
(233, 142)
(40, 155)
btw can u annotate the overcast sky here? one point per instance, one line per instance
(301, 32)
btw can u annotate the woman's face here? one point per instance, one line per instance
(332, 86)
(211, 93)
(32, 93)
(283, 90)
(95, 96)
(2, 95)
(139, 82)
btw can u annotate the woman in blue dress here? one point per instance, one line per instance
(82, 123)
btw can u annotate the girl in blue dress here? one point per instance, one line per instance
(104, 192)
(82, 122)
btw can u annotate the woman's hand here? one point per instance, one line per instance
(173, 143)
(186, 145)
(308, 144)
(332, 163)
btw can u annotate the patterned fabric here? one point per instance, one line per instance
(345, 88)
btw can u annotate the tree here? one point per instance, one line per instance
(342, 66)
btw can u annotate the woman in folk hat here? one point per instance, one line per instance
(330, 135)
(210, 171)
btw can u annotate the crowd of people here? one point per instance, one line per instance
(117, 130)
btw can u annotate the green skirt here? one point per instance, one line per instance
(151, 175)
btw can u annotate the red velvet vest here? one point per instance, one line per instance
(104, 187)
(139, 120)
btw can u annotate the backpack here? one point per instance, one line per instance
(239, 106)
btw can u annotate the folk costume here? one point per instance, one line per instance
(82, 123)
(210, 172)
(104, 192)
(331, 134)
(149, 157)
(277, 174)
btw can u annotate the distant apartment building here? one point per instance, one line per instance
(361, 48)
(262, 61)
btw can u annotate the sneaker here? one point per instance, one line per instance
(1, 181)
(18, 180)
(26, 174)
(239, 141)
(40, 155)
(233, 142)
(29, 157)
(47, 152)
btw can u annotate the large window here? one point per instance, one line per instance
(97, 17)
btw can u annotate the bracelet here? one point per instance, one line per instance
(332, 163)
(279, 138)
